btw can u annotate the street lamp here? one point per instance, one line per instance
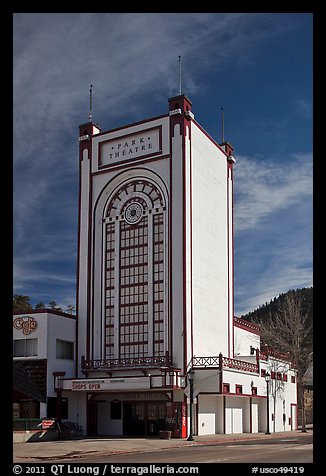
(191, 401)
(267, 379)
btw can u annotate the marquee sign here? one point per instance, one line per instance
(26, 325)
(108, 384)
(132, 146)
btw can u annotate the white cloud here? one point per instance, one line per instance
(273, 223)
(264, 186)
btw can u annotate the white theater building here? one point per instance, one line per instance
(158, 347)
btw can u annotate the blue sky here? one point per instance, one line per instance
(257, 66)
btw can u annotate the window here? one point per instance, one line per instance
(64, 350)
(279, 376)
(293, 379)
(134, 289)
(254, 390)
(273, 374)
(134, 269)
(238, 389)
(25, 348)
(263, 372)
(158, 268)
(285, 378)
(226, 388)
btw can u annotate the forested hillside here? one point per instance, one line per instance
(268, 310)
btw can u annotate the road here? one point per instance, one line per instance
(277, 450)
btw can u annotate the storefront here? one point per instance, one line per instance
(133, 414)
(113, 408)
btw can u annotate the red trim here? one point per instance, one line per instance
(228, 257)
(209, 137)
(224, 414)
(231, 171)
(127, 180)
(184, 242)
(190, 239)
(135, 162)
(246, 325)
(185, 105)
(230, 236)
(46, 311)
(132, 124)
(196, 416)
(77, 273)
(170, 274)
(89, 282)
(183, 420)
(220, 361)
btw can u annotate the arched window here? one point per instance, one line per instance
(135, 269)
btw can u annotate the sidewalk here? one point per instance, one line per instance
(75, 450)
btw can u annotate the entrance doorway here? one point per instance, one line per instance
(144, 418)
(92, 418)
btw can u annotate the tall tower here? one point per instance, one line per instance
(155, 274)
(155, 250)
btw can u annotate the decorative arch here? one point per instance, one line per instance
(135, 287)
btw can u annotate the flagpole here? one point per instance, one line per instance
(90, 103)
(180, 88)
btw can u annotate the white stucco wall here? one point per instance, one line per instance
(209, 246)
(62, 328)
(83, 237)
(50, 327)
(282, 395)
(40, 333)
(243, 339)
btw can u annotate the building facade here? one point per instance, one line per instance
(43, 349)
(155, 288)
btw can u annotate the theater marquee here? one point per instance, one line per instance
(107, 384)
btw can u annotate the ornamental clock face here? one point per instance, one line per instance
(133, 213)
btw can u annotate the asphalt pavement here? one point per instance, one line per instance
(76, 449)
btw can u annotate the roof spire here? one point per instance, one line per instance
(90, 103)
(180, 87)
(222, 112)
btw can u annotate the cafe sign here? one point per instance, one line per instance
(25, 324)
